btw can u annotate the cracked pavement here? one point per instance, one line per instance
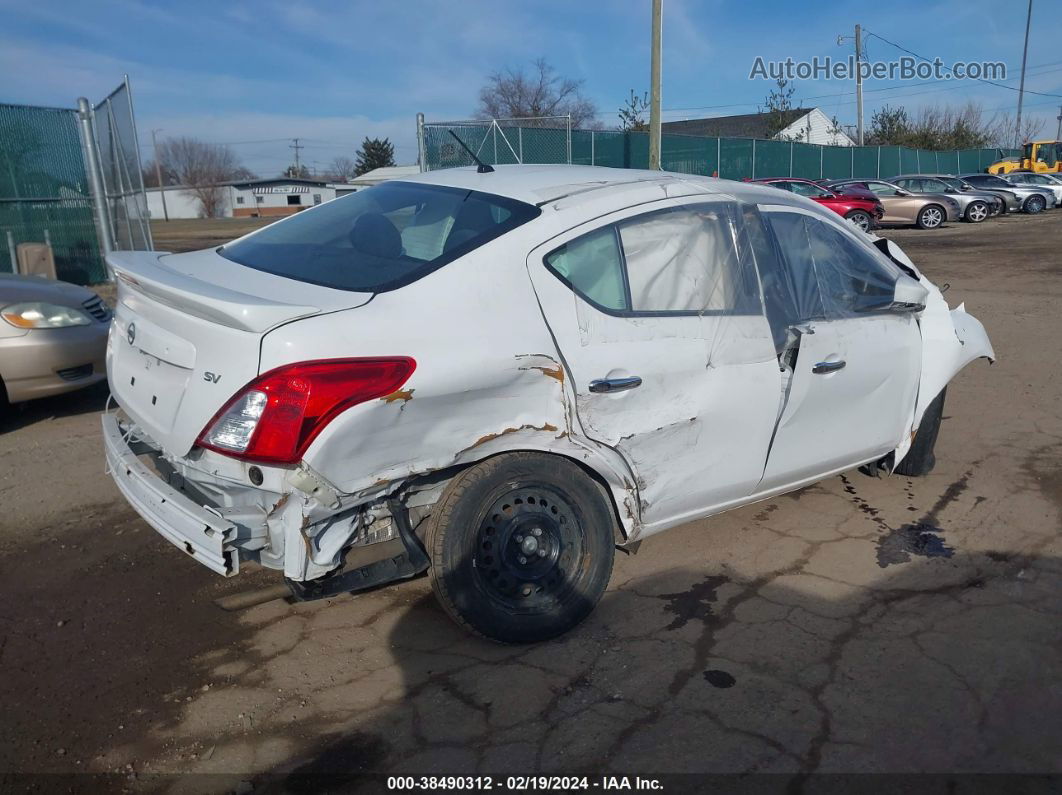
(860, 625)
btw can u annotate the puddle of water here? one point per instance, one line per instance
(920, 539)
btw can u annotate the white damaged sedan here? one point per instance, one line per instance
(498, 376)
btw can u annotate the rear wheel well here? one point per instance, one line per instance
(437, 481)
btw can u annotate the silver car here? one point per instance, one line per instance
(974, 207)
(1034, 199)
(53, 338)
(1031, 179)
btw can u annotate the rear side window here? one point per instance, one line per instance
(682, 261)
(593, 266)
(685, 260)
(381, 238)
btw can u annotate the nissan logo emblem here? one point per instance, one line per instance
(130, 333)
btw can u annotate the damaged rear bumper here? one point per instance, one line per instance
(192, 528)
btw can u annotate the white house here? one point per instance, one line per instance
(267, 197)
(809, 125)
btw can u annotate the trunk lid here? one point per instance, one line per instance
(187, 335)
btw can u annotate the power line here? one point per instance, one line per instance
(980, 79)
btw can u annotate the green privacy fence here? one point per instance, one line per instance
(730, 158)
(44, 195)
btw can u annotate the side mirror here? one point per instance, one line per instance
(909, 295)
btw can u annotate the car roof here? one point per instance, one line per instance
(544, 184)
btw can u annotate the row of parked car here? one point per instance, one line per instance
(929, 200)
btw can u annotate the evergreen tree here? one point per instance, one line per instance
(374, 153)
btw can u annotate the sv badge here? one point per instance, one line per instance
(212, 377)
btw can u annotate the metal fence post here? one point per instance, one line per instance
(95, 179)
(790, 158)
(918, 160)
(592, 161)
(569, 139)
(718, 156)
(12, 251)
(520, 142)
(822, 167)
(422, 152)
(879, 163)
(851, 167)
(754, 158)
(145, 222)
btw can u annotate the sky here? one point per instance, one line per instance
(257, 74)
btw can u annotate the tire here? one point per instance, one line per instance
(1034, 205)
(534, 588)
(931, 216)
(860, 219)
(920, 459)
(976, 212)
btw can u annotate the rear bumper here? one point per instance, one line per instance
(198, 532)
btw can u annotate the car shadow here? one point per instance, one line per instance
(928, 669)
(22, 415)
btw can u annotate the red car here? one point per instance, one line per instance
(862, 211)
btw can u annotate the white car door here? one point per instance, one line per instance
(854, 365)
(658, 317)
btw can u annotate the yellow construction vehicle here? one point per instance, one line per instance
(1044, 157)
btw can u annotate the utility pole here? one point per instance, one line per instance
(158, 174)
(654, 88)
(296, 146)
(1021, 86)
(1058, 134)
(859, 84)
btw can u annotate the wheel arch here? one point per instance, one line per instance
(607, 470)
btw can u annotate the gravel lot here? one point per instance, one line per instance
(858, 625)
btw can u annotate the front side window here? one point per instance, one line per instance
(791, 232)
(852, 280)
(831, 275)
(934, 186)
(380, 238)
(881, 188)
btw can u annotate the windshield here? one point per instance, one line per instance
(381, 238)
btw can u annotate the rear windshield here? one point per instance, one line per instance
(380, 238)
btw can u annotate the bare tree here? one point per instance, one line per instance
(945, 127)
(519, 94)
(201, 167)
(632, 114)
(342, 168)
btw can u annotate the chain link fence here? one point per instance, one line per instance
(123, 181)
(44, 193)
(46, 185)
(542, 139)
(729, 158)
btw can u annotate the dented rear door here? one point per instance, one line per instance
(687, 390)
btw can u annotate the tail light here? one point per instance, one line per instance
(277, 415)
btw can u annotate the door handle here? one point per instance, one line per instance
(615, 384)
(828, 367)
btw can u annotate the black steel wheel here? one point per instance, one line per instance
(522, 547)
